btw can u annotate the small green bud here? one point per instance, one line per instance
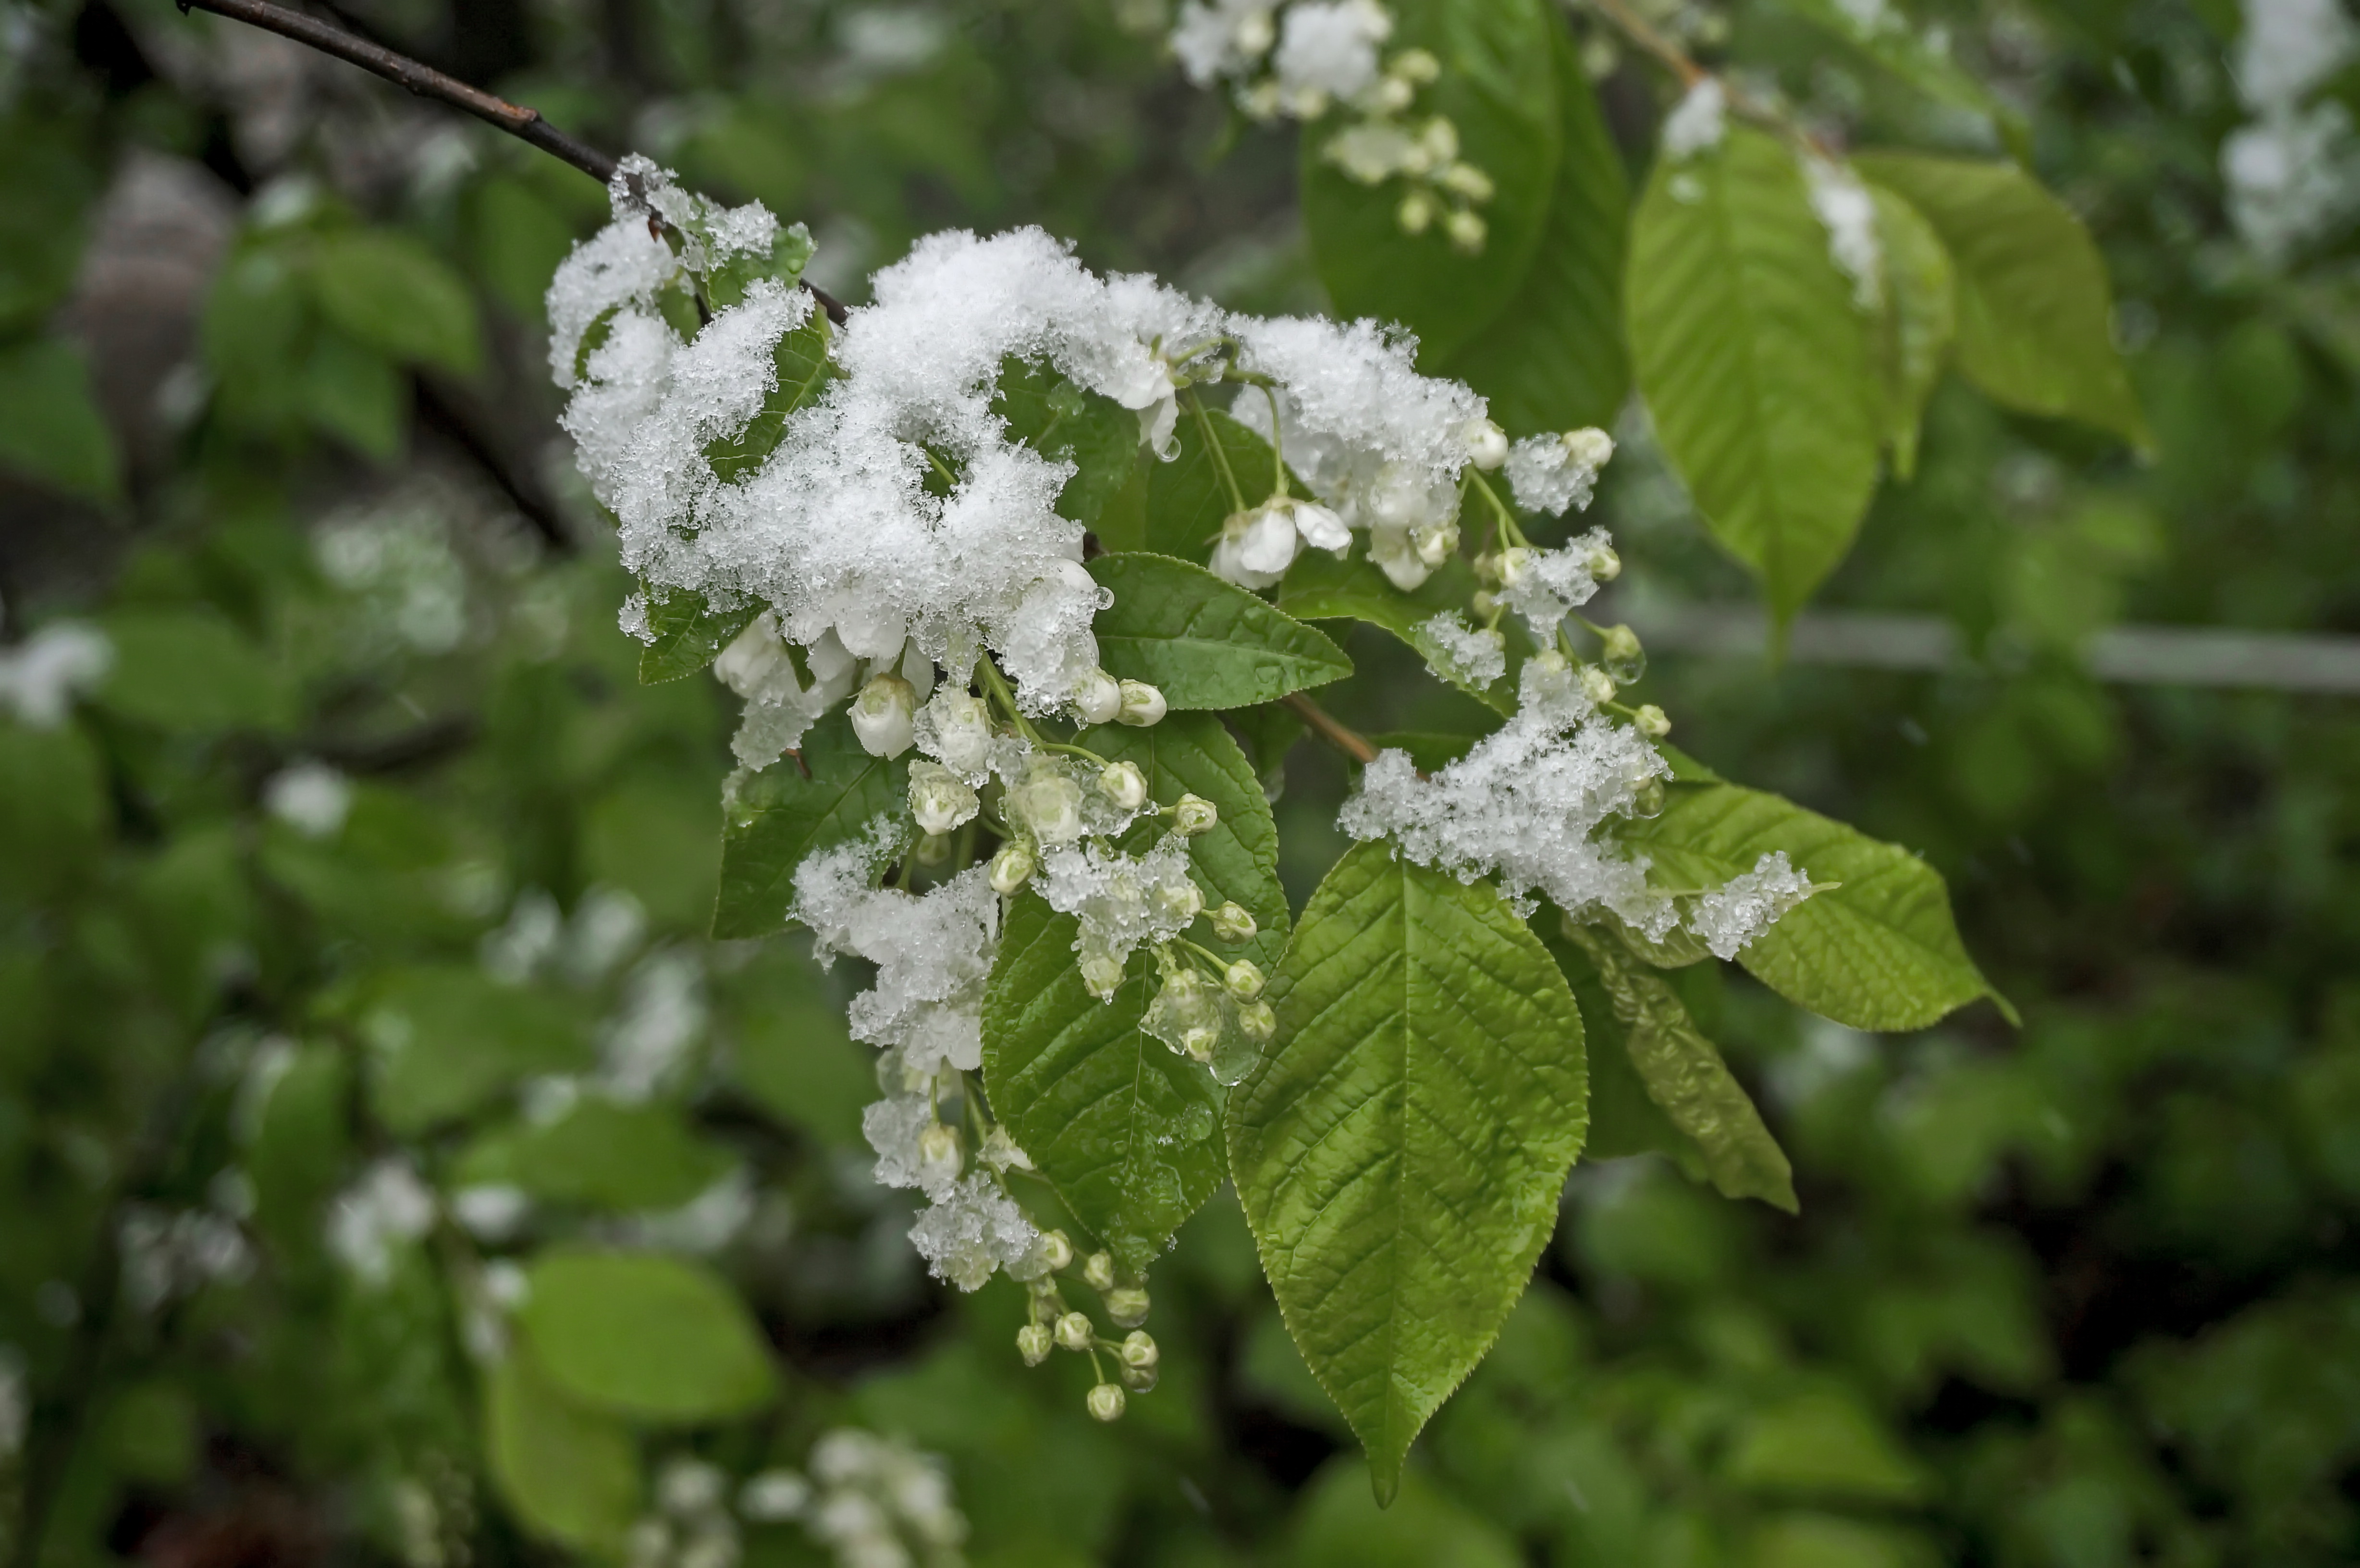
(1415, 66)
(1243, 979)
(1647, 799)
(1139, 1349)
(1012, 867)
(1620, 652)
(1101, 972)
(1233, 922)
(1141, 704)
(1257, 1022)
(1034, 1341)
(1467, 232)
(1653, 722)
(1185, 903)
(1597, 685)
(1416, 213)
(1200, 1040)
(1105, 1403)
(1074, 1331)
(1484, 602)
(1098, 1272)
(1125, 785)
(1511, 565)
(1194, 815)
(1058, 1249)
(1126, 1305)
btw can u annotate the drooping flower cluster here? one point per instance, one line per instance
(2293, 171)
(873, 1502)
(1301, 60)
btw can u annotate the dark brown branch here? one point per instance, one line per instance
(517, 120)
(1331, 729)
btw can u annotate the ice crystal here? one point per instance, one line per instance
(1550, 473)
(974, 1228)
(1545, 586)
(1732, 914)
(1121, 902)
(1461, 652)
(933, 953)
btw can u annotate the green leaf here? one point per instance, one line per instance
(518, 238)
(791, 251)
(1885, 35)
(355, 395)
(1920, 318)
(1555, 359)
(1686, 1077)
(772, 820)
(1824, 1444)
(190, 673)
(53, 808)
(1499, 88)
(1068, 423)
(50, 429)
(602, 1154)
(1318, 587)
(688, 635)
(1401, 1151)
(297, 1144)
(804, 369)
(2036, 313)
(1204, 643)
(1190, 497)
(1878, 952)
(646, 1336)
(1624, 1120)
(448, 1039)
(571, 1474)
(1125, 1130)
(1754, 360)
(393, 294)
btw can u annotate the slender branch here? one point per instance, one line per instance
(1640, 31)
(519, 120)
(1331, 729)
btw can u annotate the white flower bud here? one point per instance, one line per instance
(961, 726)
(1105, 1403)
(1597, 685)
(1034, 1341)
(1182, 900)
(1074, 1331)
(1487, 567)
(1487, 444)
(1620, 653)
(1125, 785)
(1441, 138)
(1434, 543)
(1097, 1273)
(1257, 1022)
(1466, 179)
(1511, 565)
(1391, 95)
(1098, 698)
(939, 1156)
(1466, 231)
(1012, 868)
(1127, 1306)
(1647, 799)
(1058, 1249)
(939, 798)
(1141, 704)
(1484, 602)
(1139, 1349)
(885, 716)
(1051, 805)
(1603, 563)
(1199, 1042)
(1416, 213)
(1254, 32)
(1653, 722)
(1233, 922)
(1589, 446)
(1194, 815)
(1243, 979)
(1102, 972)
(1415, 66)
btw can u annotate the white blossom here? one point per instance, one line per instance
(310, 797)
(1698, 123)
(1329, 48)
(933, 953)
(1848, 212)
(388, 1206)
(1550, 473)
(1545, 586)
(39, 676)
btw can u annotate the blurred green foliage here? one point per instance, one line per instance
(2075, 1297)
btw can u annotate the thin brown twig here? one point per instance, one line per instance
(1642, 32)
(517, 120)
(1331, 729)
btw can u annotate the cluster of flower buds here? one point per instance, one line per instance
(1301, 60)
(1051, 1326)
(1210, 1010)
(1258, 544)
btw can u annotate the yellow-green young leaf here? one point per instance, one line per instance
(646, 1336)
(601, 1154)
(803, 367)
(569, 1473)
(2036, 313)
(50, 430)
(1880, 952)
(1825, 1445)
(687, 635)
(795, 808)
(1126, 1131)
(1754, 360)
(1219, 464)
(1202, 642)
(1068, 423)
(1920, 318)
(1318, 587)
(393, 294)
(446, 1040)
(1401, 1150)
(1555, 359)
(1499, 89)
(1687, 1079)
